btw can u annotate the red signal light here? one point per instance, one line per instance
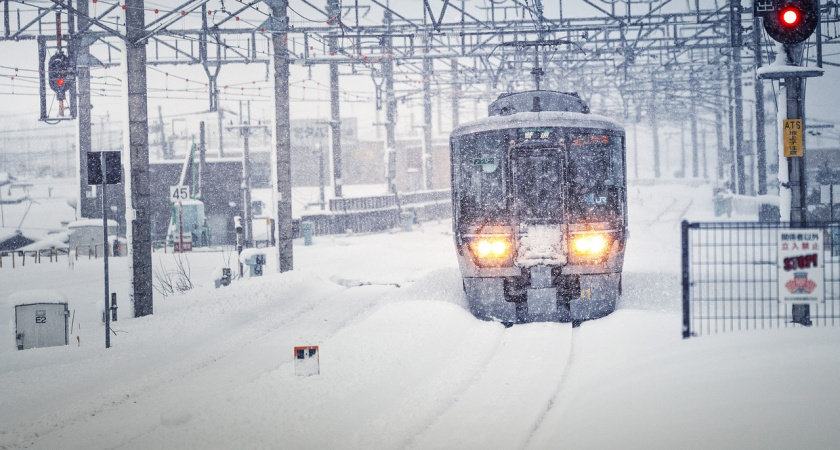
(60, 81)
(790, 21)
(790, 17)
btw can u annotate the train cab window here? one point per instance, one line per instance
(537, 186)
(596, 177)
(480, 164)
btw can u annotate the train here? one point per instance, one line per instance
(539, 199)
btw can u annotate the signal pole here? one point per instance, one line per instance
(245, 130)
(791, 22)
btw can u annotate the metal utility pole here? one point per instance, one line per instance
(695, 150)
(635, 152)
(105, 247)
(800, 21)
(456, 94)
(212, 78)
(427, 119)
(730, 154)
(202, 158)
(137, 182)
(283, 150)
(654, 123)
(795, 109)
(682, 173)
(321, 177)
(334, 12)
(221, 119)
(245, 129)
(163, 141)
(739, 121)
(760, 139)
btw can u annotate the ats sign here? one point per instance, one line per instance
(801, 273)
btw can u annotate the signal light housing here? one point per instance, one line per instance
(59, 74)
(792, 21)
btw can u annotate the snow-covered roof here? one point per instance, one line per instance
(36, 296)
(91, 223)
(538, 119)
(775, 71)
(190, 201)
(58, 240)
(249, 252)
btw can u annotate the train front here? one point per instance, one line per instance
(540, 209)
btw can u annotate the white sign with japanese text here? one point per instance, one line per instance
(801, 267)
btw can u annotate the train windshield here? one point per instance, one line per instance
(596, 176)
(538, 185)
(480, 165)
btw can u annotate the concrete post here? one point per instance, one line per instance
(334, 11)
(283, 153)
(84, 143)
(428, 175)
(137, 149)
(390, 107)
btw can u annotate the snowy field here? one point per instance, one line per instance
(403, 364)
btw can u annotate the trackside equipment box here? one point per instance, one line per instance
(307, 361)
(41, 325)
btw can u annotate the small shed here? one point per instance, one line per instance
(55, 241)
(87, 233)
(14, 241)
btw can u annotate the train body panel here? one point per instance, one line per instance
(540, 210)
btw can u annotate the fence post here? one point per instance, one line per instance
(685, 283)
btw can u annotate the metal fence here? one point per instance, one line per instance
(376, 213)
(730, 278)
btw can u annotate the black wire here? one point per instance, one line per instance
(301, 15)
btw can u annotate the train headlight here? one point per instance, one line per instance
(492, 250)
(590, 245)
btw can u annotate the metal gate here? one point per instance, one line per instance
(730, 278)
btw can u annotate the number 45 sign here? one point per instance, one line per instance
(179, 193)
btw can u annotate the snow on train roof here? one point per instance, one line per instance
(538, 119)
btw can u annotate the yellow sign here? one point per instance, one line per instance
(792, 137)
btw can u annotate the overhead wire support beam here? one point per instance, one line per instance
(192, 59)
(466, 14)
(607, 13)
(170, 18)
(234, 14)
(37, 19)
(74, 11)
(436, 23)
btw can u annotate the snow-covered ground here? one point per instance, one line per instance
(403, 364)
